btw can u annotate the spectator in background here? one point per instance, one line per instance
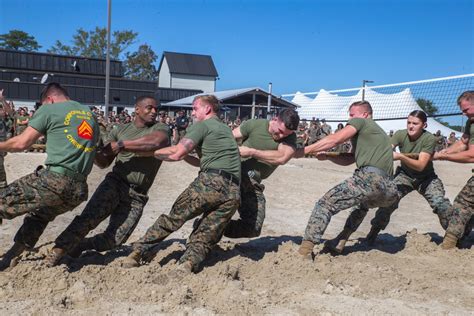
(325, 129)
(452, 139)
(22, 120)
(182, 123)
(440, 141)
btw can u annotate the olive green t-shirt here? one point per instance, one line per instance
(469, 130)
(71, 135)
(255, 135)
(129, 166)
(215, 146)
(372, 146)
(425, 143)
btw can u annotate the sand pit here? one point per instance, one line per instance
(405, 273)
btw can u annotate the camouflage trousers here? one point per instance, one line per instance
(363, 190)
(211, 195)
(430, 187)
(113, 198)
(462, 217)
(251, 210)
(3, 174)
(42, 195)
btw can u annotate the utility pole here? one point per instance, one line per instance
(107, 61)
(364, 82)
(269, 102)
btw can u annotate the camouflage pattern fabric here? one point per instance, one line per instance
(113, 198)
(43, 195)
(251, 210)
(3, 174)
(430, 187)
(364, 190)
(314, 134)
(462, 218)
(211, 195)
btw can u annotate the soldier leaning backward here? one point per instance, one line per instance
(462, 218)
(72, 134)
(266, 145)
(122, 195)
(371, 184)
(413, 174)
(214, 193)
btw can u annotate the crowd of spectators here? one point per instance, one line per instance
(308, 132)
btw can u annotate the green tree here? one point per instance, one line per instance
(139, 65)
(94, 43)
(427, 106)
(18, 40)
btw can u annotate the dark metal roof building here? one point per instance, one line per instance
(190, 64)
(23, 75)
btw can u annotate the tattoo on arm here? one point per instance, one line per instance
(188, 144)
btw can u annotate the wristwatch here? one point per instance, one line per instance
(120, 145)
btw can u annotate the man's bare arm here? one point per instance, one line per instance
(458, 146)
(145, 145)
(331, 141)
(466, 156)
(177, 152)
(22, 141)
(273, 157)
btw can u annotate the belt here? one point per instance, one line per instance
(69, 173)
(376, 170)
(224, 174)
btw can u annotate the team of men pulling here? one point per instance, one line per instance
(229, 180)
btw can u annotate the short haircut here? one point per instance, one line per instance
(419, 114)
(211, 100)
(140, 99)
(466, 95)
(290, 118)
(365, 104)
(53, 88)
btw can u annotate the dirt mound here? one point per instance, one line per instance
(404, 273)
(255, 277)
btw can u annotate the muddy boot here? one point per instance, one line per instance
(54, 257)
(341, 240)
(11, 257)
(133, 260)
(306, 249)
(449, 241)
(372, 235)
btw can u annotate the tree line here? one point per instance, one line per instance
(138, 65)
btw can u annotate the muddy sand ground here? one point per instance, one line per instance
(404, 273)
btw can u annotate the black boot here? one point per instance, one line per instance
(11, 257)
(372, 235)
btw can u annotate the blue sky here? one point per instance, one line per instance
(297, 45)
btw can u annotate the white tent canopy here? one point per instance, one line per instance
(385, 107)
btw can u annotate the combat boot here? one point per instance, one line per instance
(372, 235)
(84, 245)
(306, 249)
(449, 241)
(133, 260)
(54, 257)
(342, 239)
(11, 257)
